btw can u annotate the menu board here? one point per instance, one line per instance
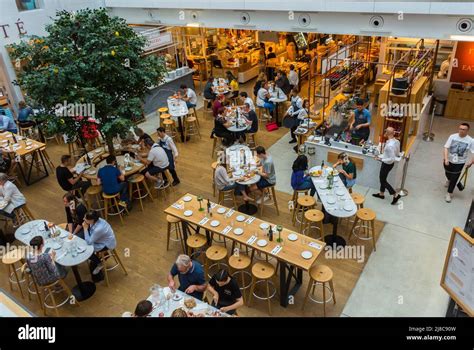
(458, 272)
(462, 69)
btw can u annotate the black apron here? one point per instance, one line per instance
(362, 133)
(291, 121)
(169, 153)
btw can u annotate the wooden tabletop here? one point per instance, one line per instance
(290, 253)
(26, 146)
(12, 307)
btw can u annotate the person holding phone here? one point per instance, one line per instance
(42, 265)
(225, 291)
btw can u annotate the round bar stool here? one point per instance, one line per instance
(111, 202)
(191, 128)
(216, 145)
(26, 131)
(313, 218)
(262, 273)
(93, 194)
(162, 110)
(195, 243)
(358, 199)
(105, 256)
(269, 191)
(50, 290)
(32, 287)
(319, 276)
(170, 128)
(164, 116)
(215, 254)
(303, 204)
(227, 195)
(174, 227)
(139, 192)
(365, 221)
(214, 166)
(239, 263)
(11, 259)
(251, 140)
(297, 194)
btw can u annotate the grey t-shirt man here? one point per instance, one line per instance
(269, 169)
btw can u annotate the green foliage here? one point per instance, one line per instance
(88, 57)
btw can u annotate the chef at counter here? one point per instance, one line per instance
(360, 125)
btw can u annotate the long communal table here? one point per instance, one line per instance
(292, 264)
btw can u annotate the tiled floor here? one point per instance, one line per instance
(402, 277)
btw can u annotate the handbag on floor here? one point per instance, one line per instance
(272, 126)
(462, 180)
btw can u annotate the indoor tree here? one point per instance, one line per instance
(87, 58)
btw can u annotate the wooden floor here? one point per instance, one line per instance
(143, 238)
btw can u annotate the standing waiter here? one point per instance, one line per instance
(360, 125)
(390, 154)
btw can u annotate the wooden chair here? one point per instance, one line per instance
(296, 195)
(262, 273)
(138, 181)
(215, 254)
(303, 203)
(167, 185)
(31, 286)
(50, 291)
(170, 128)
(195, 244)
(164, 116)
(270, 191)
(191, 128)
(11, 259)
(162, 110)
(239, 263)
(26, 131)
(216, 145)
(111, 202)
(320, 275)
(94, 196)
(252, 140)
(365, 221)
(104, 256)
(174, 227)
(23, 215)
(261, 111)
(313, 218)
(227, 195)
(358, 199)
(193, 112)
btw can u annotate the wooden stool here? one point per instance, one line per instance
(174, 227)
(136, 180)
(366, 220)
(260, 113)
(227, 195)
(316, 217)
(214, 166)
(50, 292)
(320, 275)
(11, 259)
(110, 202)
(26, 131)
(263, 272)
(239, 263)
(270, 191)
(195, 244)
(170, 128)
(47, 159)
(214, 256)
(23, 215)
(216, 144)
(94, 193)
(303, 204)
(296, 195)
(32, 287)
(358, 199)
(166, 175)
(252, 140)
(191, 128)
(73, 149)
(164, 116)
(162, 110)
(111, 253)
(194, 114)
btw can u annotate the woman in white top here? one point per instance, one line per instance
(225, 183)
(248, 100)
(10, 196)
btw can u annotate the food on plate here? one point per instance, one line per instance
(190, 303)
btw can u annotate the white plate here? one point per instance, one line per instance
(215, 223)
(81, 249)
(188, 199)
(307, 254)
(188, 213)
(63, 234)
(128, 168)
(331, 200)
(25, 231)
(323, 187)
(98, 151)
(240, 218)
(56, 246)
(90, 172)
(340, 192)
(262, 243)
(238, 231)
(221, 210)
(264, 226)
(177, 297)
(292, 237)
(348, 207)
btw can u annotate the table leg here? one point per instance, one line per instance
(285, 282)
(333, 240)
(248, 208)
(184, 226)
(283, 285)
(83, 290)
(181, 128)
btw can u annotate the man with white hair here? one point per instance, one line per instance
(10, 195)
(191, 276)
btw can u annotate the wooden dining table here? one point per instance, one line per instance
(24, 147)
(287, 252)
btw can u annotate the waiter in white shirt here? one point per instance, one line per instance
(390, 154)
(293, 78)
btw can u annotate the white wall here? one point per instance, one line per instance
(33, 22)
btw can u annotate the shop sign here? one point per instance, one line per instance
(463, 63)
(6, 29)
(157, 39)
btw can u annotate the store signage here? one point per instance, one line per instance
(334, 59)
(157, 39)
(463, 63)
(6, 29)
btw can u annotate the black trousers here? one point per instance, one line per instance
(82, 185)
(384, 171)
(453, 173)
(94, 259)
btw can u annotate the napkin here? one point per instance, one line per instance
(61, 256)
(226, 230)
(315, 245)
(276, 250)
(250, 219)
(177, 206)
(229, 213)
(213, 205)
(203, 221)
(252, 240)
